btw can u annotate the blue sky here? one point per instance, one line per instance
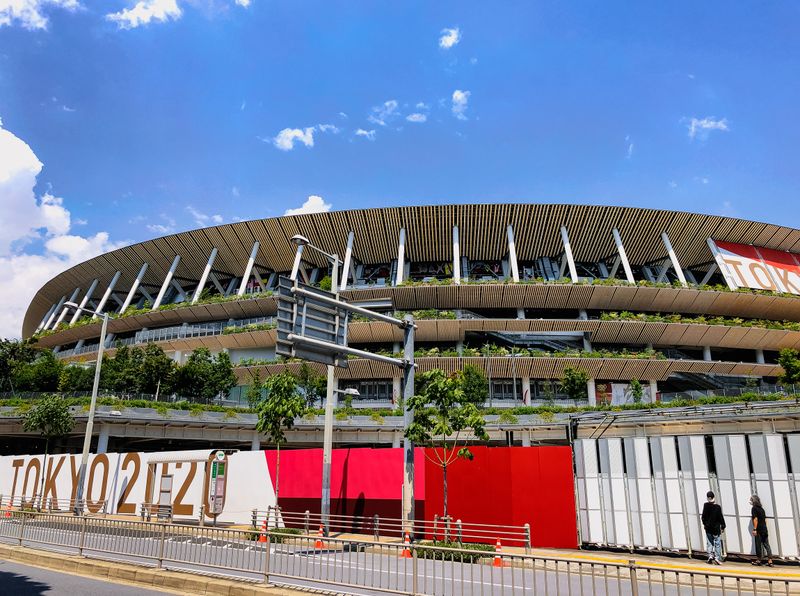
(145, 127)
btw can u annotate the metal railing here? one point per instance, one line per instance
(364, 565)
(440, 528)
(51, 504)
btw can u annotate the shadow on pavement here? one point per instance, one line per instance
(19, 585)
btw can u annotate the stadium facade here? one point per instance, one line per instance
(678, 301)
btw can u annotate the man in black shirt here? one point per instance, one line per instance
(714, 523)
(760, 532)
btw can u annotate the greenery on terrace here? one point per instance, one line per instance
(205, 299)
(700, 320)
(642, 283)
(546, 412)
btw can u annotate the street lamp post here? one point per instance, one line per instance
(327, 440)
(87, 438)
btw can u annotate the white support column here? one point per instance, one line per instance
(167, 281)
(526, 391)
(456, 257)
(107, 293)
(397, 440)
(177, 285)
(653, 390)
(134, 287)
(573, 273)
(591, 391)
(623, 256)
(760, 356)
(250, 262)
(397, 389)
(674, 258)
(78, 311)
(707, 353)
(348, 257)
(709, 273)
(255, 442)
(526, 438)
(65, 310)
(401, 257)
(102, 439)
(48, 318)
(204, 277)
(215, 280)
(298, 258)
(512, 254)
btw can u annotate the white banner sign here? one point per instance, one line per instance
(746, 266)
(121, 482)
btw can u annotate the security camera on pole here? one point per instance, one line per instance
(312, 325)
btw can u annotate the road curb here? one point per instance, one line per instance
(144, 577)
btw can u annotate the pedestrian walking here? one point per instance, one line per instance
(760, 533)
(713, 523)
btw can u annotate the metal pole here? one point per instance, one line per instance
(327, 441)
(87, 438)
(409, 513)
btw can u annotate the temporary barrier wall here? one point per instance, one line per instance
(648, 492)
(121, 482)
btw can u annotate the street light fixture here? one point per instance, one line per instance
(327, 441)
(87, 438)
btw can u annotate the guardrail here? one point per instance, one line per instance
(385, 567)
(51, 505)
(444, 529)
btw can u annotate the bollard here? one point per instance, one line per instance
(254, 518)
(307, 521)
(376, 527)
(527, 539)
(435, 525)
(202, 515)
(458, 530)
(634, 581)
(22, 527)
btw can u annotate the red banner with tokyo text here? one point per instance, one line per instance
(759, 268)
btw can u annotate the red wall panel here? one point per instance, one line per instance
(510, 486)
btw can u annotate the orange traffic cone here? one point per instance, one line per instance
(263, 536)
(318, 542)
(7, 510)
(406, 553)
(498, 561)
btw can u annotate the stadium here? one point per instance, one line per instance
(677, 301)
(652, 305)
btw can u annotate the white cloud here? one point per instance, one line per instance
(328, 128)
(460, 100)
(160, 229)
(235, 191)
(367, 134)
(145, 11)
(286, 138)
(700, 128)
(25, 219)
(673, 184)
(449, 38)
(422, 106)
(202, 219)
(629, 150)
(244, 3)
(343, 115)
(30, 13)
(313, 204)
(384, 113)
(416, 117)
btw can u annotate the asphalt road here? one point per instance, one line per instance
(349, 570)
(22, 580)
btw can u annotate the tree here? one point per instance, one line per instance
(574, 383)
(40, 375)
(51, 418)
(789, 359)
(439, 417)
(122, 372)
(255, 390)
(156, 370)
(312, 385)
(223, 378)
(474, 385)
(637, 391)
(76, 378)
(278, 411)
(14, 355)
